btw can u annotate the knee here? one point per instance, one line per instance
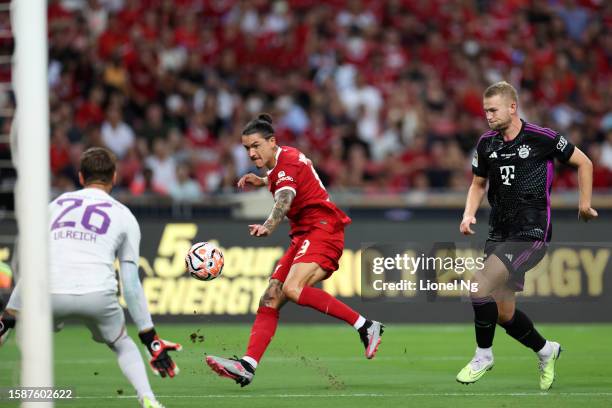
(482, 288)
(292, 290)
(481, 297)
(120, 343)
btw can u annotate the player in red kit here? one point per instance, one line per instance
(317, 241)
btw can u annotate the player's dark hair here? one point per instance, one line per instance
(502, 88)
(98, 165)
(262, 125)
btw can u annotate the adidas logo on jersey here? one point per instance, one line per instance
(493, 155)
(509, 256)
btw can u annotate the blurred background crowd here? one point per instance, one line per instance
(381, 95)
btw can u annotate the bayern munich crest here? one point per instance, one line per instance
(523, 151)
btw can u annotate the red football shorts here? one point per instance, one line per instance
(317, 245)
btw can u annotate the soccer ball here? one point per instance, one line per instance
(204, 261)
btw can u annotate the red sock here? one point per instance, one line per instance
(262, 332)
(326, 303)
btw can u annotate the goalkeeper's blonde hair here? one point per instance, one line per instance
(502, 88)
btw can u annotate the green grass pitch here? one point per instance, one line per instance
(323, 366)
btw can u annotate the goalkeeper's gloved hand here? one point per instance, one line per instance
(160, 362)
(7, 322)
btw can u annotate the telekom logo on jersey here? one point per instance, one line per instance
(507, 174)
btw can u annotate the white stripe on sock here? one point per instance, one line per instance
(485, 352)
(546, 351)
(250, 360)
(360, 322)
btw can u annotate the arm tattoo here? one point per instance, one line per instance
(283, 202)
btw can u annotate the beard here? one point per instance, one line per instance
(500, 125)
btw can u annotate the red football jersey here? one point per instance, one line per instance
(311, 207)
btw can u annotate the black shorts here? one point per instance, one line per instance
(518, 256)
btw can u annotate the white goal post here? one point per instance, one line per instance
(31, 127)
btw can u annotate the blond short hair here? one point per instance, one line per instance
(502, 88)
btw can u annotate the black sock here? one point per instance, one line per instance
(485, 318)
(521, 328)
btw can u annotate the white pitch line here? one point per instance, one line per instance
(309, 359)
(406, 357)
(400, 358)
(358, 395)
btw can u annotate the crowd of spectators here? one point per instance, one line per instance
(381, 95)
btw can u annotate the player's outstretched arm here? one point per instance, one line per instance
(284, 198)
(158, 349)
(585, 183)
(134, 296)
(474, 198)
(253, 180)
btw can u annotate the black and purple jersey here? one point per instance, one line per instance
(520, 174)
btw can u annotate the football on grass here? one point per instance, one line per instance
(204, 261)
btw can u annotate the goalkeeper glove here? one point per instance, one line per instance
(158, 349)
(7, 322)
